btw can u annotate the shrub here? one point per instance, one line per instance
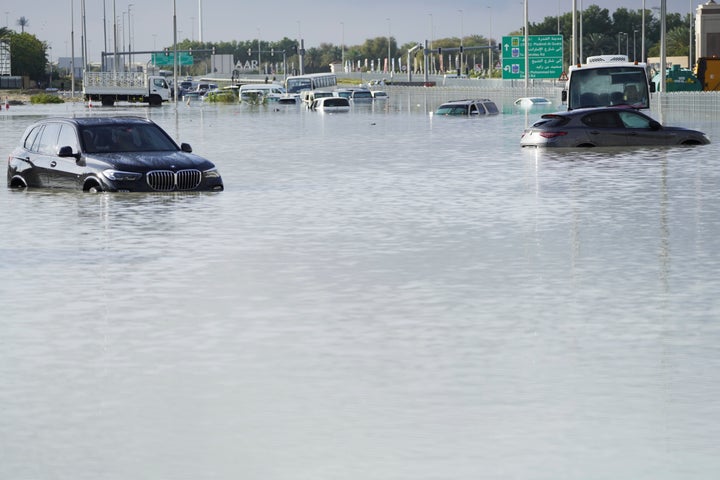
(45, 98)
(221, 97)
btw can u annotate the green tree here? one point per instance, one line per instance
(29, 56)
(677, 43)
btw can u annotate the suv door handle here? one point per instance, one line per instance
(53, 164)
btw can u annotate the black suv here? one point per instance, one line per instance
(94, 154)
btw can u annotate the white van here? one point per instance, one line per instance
(309, 96)
(254, 92)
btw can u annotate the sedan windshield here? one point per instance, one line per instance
(125, 138)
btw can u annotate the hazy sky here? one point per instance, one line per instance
(149, 26)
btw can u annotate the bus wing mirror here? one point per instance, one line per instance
(563, 96)
(652, 87)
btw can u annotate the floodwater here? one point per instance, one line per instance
(379, 295)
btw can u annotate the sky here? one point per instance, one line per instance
(148, 25)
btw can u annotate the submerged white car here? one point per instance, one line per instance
(528, 102)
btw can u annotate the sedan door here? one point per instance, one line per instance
(643, 130)
(604, 129)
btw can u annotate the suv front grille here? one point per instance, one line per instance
(167, 180)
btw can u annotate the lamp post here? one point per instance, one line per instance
(620, 34)
(342, 45)
(461, 41)
(122, 45)
(690, 36)
(200, 22)
(627, 44)
(389, 69)
(72, 48)
(259, 62)
(634, 51)
(490, 55)
(432, 39)
(130, 5)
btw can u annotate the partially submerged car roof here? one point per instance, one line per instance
(97, 121)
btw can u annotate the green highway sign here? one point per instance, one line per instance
(545, 56)
(162, 60)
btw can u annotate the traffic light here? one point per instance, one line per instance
(249, 52)
(439, 50)
(167, 52)
(190, 51)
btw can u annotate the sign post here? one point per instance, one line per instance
(545, 56)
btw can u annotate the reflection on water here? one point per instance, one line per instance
(380, 294)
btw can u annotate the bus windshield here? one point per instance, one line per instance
(608, 85)
(297, 85)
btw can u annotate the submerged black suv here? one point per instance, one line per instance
(114, 154)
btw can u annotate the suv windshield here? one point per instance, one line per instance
(125, 138)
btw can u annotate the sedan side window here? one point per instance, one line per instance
(633, 120)
(602, 120)
(49, 138)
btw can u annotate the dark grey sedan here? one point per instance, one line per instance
(114, 154)
(606, 127)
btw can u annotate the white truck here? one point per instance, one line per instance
(110, 87)
(606, 80)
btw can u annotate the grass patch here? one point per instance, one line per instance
(221, 97)
(45, 98)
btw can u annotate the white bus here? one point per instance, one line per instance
(310, 81)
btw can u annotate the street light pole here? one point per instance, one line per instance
(130, 35)
(634, 51)
(490, 55)
(72, 48)
(627, 44)
(461, 42)
(389, 69)
(432, 39)
(259, 61)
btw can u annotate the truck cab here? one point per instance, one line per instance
(608, 80)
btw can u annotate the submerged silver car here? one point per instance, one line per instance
(606, 127)
(468, 108)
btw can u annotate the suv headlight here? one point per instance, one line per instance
(212, 173)
(120, 176)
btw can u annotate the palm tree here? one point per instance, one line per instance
(22, 23)
(4, 32)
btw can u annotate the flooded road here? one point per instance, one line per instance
(381, 294)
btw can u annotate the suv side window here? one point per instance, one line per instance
(48, 139)
(67, 138)
(31, 139)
